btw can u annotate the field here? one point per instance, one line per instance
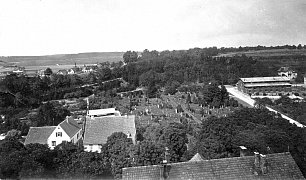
(267, 53)
(276, 58)
(63, 61)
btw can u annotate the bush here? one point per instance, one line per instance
(296, 94)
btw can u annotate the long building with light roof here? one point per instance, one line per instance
(265, 85)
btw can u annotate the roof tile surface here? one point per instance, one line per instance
(70, 126)
(39, 134)
(265, 79)
(98, 129)
(279, 166)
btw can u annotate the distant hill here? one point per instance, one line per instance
(267, 53)
(80, 59)
(4, 63)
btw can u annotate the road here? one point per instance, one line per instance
(244, 97)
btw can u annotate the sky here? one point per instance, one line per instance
(44, 27)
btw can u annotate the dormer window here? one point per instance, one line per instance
(129, 135)
(58, 134)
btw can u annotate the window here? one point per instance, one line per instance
(78, 136)
(59, 134)
(53, 143)
(90, 147)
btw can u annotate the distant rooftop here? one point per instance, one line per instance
(265, 79)
(285, 69)
(267, 84)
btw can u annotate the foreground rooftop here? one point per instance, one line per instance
(278, 166)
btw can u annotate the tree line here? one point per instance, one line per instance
(257, 129)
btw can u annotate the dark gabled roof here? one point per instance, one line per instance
(285, 69)
(98, 129)
(39, 134)
(63, 71)
(279, 166)
(75, 69)
(70, 126)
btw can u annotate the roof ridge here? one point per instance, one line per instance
(42, 126)
(74, 125)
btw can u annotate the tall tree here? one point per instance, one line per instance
(130, 56)
(118, 148)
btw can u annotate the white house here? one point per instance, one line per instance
(67, 131)
(287, 72)
(99, 129)
(74, 70)
(62, 72)
(88, 69)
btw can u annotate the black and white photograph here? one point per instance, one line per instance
(153, 89)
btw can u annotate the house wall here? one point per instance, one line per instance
(93, 148)
(97, 148)
(57, 139)
(270, 91)
(76, 138)
(240, 86)
(290, 74)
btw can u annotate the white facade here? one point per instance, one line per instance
(289, 74)
(87, 70)
(71, 71)
(76, 137)
(59, 135)
(93, 148)
(103, 112)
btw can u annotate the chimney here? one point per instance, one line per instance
(129, 135)
(263, 163)
(167, 156)
(243, 151)
(257, 159)
(166, 167)
(257, 163)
